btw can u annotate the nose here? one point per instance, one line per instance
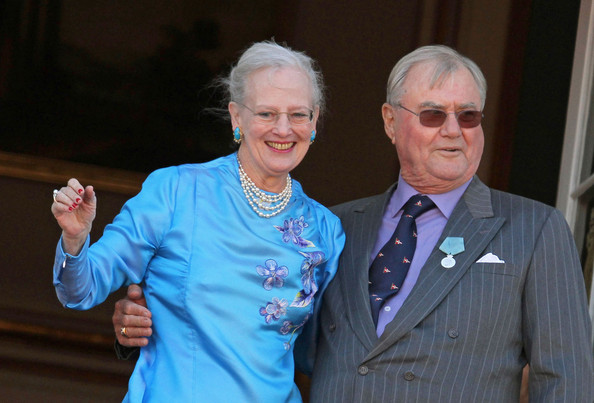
(282, 125)
(451, 127)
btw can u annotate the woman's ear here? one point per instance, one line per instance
(234, 113)
(316, 115)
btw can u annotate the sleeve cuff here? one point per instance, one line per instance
(126, 353)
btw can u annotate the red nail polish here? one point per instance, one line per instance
(80, 191)
(78, 199)
(74, 205)
(69, 208)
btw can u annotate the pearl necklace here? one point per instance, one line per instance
(263, 204)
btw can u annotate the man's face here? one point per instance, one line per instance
(436, 159)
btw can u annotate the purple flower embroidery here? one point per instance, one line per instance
(275, 309)
(292, 230)
(274, 275)
(308, 279)
(288, 326)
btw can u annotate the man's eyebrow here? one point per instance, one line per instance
(434, 105)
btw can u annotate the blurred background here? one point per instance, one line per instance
(109, 91)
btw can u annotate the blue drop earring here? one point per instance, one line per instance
(313, 137)
(237, 135)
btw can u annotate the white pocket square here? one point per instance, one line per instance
(490, 258)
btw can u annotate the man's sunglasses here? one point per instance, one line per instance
(436, 118)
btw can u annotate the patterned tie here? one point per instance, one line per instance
(388, 270)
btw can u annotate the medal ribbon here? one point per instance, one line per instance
(451, 246)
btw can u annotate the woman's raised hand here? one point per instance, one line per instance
(74, 208)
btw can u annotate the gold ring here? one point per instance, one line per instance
(55, 193)
(124, 331)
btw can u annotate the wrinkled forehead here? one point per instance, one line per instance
(426, 78)
(282, 78)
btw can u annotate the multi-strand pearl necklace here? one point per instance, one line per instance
(263, 204)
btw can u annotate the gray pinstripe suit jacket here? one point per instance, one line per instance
(463, 334)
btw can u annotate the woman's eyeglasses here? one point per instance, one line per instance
(436, 117)
(298, 117)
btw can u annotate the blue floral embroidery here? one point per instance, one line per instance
(274, 275)
(292, 230)
(308, 279)
(275, 309)
(288, 326)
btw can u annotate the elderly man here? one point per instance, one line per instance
(446, 288)
(494, 283)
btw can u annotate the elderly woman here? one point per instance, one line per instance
(231, 254)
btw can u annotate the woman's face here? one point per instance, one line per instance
(269, 151)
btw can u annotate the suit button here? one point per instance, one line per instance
(363, 370)
(409, 375)
(332, 327)
(453, 333)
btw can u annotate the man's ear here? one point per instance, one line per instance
(389, 116)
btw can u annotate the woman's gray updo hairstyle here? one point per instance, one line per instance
(270, 54)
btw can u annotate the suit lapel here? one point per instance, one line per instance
(361, 229)
(473, 220)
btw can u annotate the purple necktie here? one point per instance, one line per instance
(389, 268)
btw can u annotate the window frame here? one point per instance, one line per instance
(576, 179)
